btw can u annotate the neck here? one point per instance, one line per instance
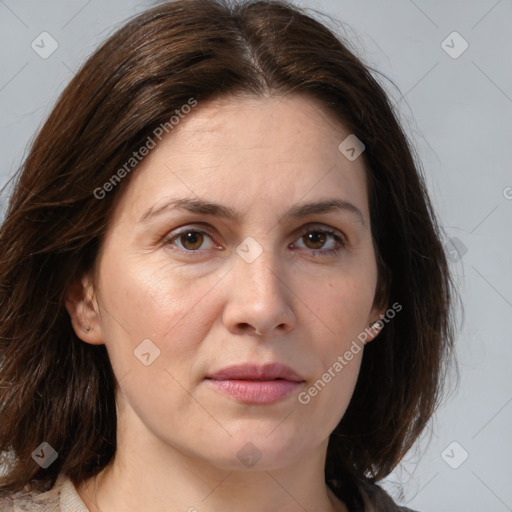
(269, 491)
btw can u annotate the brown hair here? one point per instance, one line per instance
(52, 384)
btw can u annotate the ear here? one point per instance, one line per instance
(375, 324)
(83, 310)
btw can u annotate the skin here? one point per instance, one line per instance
(206, 308)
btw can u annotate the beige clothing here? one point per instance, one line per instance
(61, 498)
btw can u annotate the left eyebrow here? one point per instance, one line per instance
(298, 211)
(304, 209)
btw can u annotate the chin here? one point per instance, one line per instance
(260, 452)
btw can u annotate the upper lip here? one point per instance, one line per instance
(269, 371)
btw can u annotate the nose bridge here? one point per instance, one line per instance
(259, 268)
(259, 296)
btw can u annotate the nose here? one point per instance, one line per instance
(259, 298)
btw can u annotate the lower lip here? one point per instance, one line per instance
(255, 391)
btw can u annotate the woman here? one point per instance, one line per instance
(222, 283)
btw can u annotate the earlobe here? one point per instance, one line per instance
(83, 310)
(375, 326)
(373, 330)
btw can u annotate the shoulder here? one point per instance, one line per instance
(31, 501)
(62, 497)
(379, 496)
(363, 495)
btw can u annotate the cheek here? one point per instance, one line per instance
(158, 303)
(328, 397)
(338, 306)
(340, 303)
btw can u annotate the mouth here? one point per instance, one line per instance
(252, 384)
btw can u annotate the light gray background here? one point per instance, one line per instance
(457, 110)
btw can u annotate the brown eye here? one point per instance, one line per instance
(321, 242)
(314, 239)
(191, 240)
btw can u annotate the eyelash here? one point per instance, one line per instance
(340, 240)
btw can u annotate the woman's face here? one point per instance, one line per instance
(223, 252)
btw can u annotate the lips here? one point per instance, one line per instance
(267, 372)
(257, 385)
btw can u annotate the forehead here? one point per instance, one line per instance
(251, 152)
(294, 126)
